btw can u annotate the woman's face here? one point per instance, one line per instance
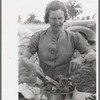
(56, 19)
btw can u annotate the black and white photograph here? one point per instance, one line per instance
(57, 50)
(56, 55)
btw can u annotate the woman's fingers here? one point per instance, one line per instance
(70, 68)
(74, 67)
(41, 70)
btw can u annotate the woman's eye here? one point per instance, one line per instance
(60, 18)
(54, 18)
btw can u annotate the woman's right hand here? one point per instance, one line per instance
(34, 67)
(37, 69)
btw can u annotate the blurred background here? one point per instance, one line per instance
(33, 12)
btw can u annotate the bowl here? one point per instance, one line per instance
(57, 95)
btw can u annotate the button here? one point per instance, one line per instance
(51, 71)
(53, 43)
(54, 36)
(54, 40)
(52, 51)
(52, 57)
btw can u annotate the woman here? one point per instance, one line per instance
(55, 46)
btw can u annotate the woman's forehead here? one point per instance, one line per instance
(56, 12)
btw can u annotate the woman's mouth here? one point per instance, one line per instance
(57, 26)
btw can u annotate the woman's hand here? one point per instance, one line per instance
(37, 69)
(75, 64)
(91, 57)
(34, 67)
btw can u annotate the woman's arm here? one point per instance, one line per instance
(25, 60)
(88, 56)
(87, 53)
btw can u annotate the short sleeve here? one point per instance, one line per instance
(81, 44)
(33, 45)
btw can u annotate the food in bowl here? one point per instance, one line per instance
(63, 86)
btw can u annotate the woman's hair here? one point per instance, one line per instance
(55, 5)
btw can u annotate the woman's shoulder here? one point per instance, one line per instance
(39, 33)
(76, 36)
(71, 33)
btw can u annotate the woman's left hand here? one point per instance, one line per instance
(75, 64)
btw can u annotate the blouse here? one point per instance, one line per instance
(56, 50)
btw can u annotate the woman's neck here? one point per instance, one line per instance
(55, 31)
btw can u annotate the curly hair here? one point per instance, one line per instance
(55, 5)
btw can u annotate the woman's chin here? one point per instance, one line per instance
(57, 29)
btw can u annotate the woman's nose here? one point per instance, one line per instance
(57, 22)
